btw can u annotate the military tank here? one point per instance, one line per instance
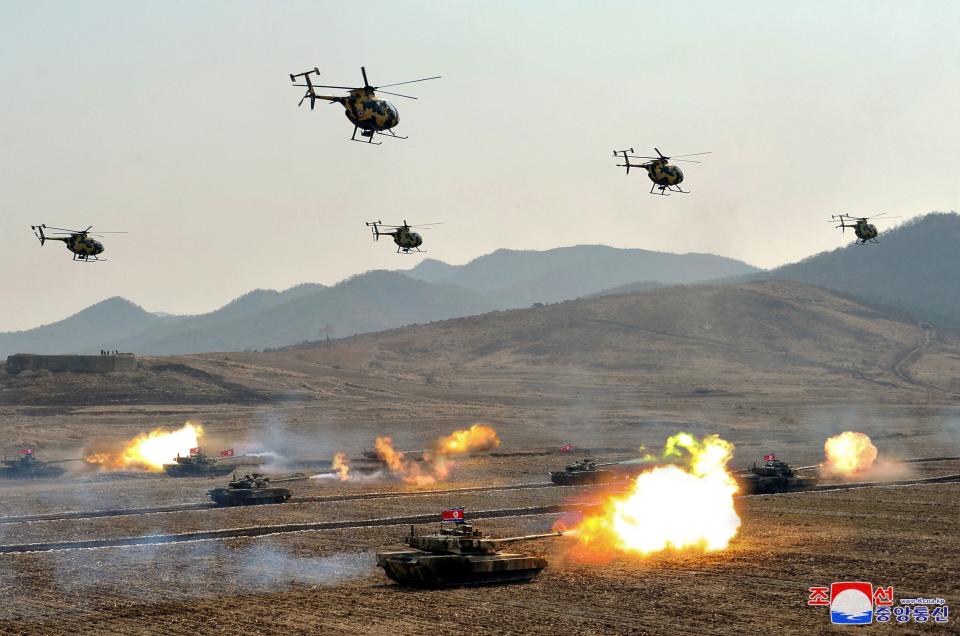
(773, 476)
(585, 471)
(25, 465)
(197, 464)
(460, 556)
(250, 490)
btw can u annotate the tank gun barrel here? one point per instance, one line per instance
(285, 479)
(60, 461)
(526, 537)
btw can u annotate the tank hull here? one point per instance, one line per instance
(31, 473)
(757, 485)
(421, 569)
(248, 496)
(581, 477)
(194, 470)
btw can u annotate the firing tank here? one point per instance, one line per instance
(773, 476)
(25, 465)
(251, 490)
(460, 556)
(585, 471)
(197, 464)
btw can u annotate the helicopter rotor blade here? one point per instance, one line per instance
(687, 160)
(346, 88)
(693, 154)
(366, 82)
(398, 94)
(60, 229)
(423, 79)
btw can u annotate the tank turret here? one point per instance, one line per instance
(460, 556)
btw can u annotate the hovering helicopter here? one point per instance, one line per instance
(402, 236)
(866, 232)
(79, 242)
(666, 178)
(371, 115)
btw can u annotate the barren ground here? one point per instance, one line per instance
(310, 403)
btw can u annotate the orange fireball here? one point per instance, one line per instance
(476, 439)
(848, 453)
(340, 466)
(688, 505)
(148, 451)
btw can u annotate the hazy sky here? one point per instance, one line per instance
(175, 121)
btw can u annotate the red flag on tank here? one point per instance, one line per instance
(195, 451)
(453, 514)
(769, 458)
(26, 451)
(227, 453)
(566, 448)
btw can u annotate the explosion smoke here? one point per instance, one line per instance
(147, 451)
(340, 466)
(683, 505)
(432, 465)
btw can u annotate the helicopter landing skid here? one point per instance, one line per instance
(88, 259)
(665, 189)
(408, 250)
(366, 133)
(370, 133)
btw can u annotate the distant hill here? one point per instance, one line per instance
(97, 327)
(368, 302)
(915, 268)
(690, 340)
(519, 278)
(261, 319)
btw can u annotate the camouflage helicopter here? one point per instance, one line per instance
(666, 178)
(866, 232)
(369, 114)
(402, 236)
(79, 242)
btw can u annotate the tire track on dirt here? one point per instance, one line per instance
(260, 531)
(123, 512)
(899, 366)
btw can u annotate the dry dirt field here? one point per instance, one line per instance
(782, 386)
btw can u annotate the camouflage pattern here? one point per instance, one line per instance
(247, 491)
(84, 247)
(403, 237)
(663, 174)
(773, 476)
(665, 177)
(866, 232)
(460, 556)
(199, 465)
(363, 108)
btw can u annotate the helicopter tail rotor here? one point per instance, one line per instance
(38, 232)
(311, 94)
(626, 159)
(374, 229)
